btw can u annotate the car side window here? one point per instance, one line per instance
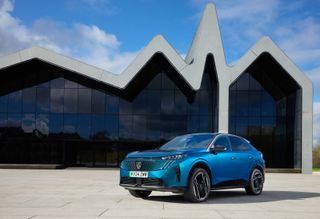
(224, 141)
(238, 144)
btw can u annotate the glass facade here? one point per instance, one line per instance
(267, 116)
(50, 117)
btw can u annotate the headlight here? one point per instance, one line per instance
(173, 157)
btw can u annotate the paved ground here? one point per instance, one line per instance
(90, 193)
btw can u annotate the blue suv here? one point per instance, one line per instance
(194, 165)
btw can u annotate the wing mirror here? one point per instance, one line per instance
(218, 148)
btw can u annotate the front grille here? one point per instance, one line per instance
(146, 164)
(141, 181)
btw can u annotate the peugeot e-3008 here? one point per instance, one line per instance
(194, 165)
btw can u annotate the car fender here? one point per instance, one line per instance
(199, 161)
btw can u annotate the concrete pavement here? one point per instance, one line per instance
(94, 193)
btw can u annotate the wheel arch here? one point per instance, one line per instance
(257, 166)
(200, 164)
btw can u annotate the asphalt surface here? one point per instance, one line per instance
(94, 193)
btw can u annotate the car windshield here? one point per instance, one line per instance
(189, 142)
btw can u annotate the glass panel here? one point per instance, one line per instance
(204, 102)
(57, 83)
(98, 102)
(57, 100)
(267, 105)
(254, 103)
(84, 101)
(56, 124)
(180, 103)
(3, 103)
(29, 100)
(254, 84)
(15, 101)
(193, 108)
(42, 124)
(112, 126)
(242, 103)
(125, 107)
(139, 127)
(14, 120)
(166, 82)
(153, 127)
(98, 127)
(70, 100)
(254, 127)
(112, 104)
(155, 83)
(167, 102)
(70, 125)
(138, 105)
(153, 102)
(43, 100)
(193, 124)
(70, 84)
(242, 126)
(125, 126)
(243, 82)
(28, 123)
(3, 124)
(84, 126)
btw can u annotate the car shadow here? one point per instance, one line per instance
(240, 197)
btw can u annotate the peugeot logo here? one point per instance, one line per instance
(138, 165)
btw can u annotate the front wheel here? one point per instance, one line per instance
(255, 185)
(199, 186)
(140, 193)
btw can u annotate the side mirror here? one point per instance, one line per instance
(218, 148)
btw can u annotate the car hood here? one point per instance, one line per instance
(161, 153)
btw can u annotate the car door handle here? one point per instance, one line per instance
(250, 158)
(233, 158)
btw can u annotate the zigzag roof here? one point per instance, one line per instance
(207, 40)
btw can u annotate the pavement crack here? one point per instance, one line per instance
(65, 204)
(103, 212)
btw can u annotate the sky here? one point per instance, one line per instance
(110, 33)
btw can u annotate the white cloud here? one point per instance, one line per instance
(88, 43)
(316, 123)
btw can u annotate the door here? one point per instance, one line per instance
(224, 164)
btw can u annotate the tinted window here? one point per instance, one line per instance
(28, 123)
(70, 100)
(29, 99)
(43, 100)
(56, 100)
(238, 144)
(222, 141)
(57, 83)
(14, 102)
(98, 102)
(84, 101)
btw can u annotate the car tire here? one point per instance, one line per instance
(255, 184)
(199, 186)
(140, 193)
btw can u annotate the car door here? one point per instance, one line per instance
(223, 164)
(243, 157)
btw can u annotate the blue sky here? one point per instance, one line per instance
(109, 33)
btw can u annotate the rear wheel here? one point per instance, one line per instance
(199, 186)
(140, 193)
(255, 185)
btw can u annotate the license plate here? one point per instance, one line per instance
(139, 174)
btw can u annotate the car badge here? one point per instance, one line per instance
(138, 165)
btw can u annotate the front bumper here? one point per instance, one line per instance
(172, 179)
(150, 184)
